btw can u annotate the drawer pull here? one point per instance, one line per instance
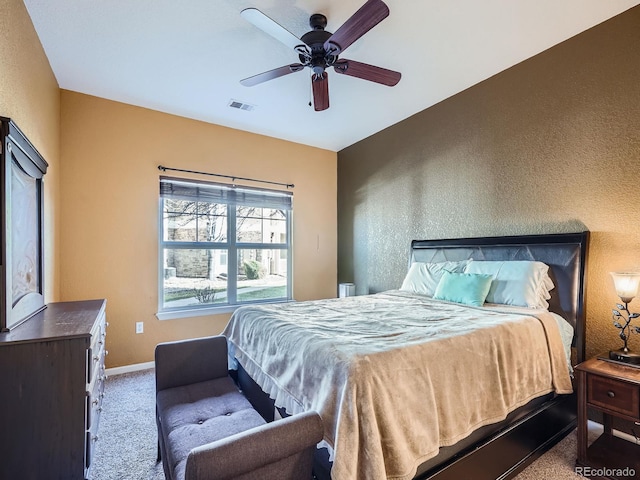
(611, 394)
(95, 402)
(96, 358)
(94, 438)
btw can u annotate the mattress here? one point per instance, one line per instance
(395, 376)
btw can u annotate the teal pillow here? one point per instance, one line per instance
(468, 288)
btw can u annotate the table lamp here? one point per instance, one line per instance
(626, 284)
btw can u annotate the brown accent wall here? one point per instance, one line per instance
(549, 145)
(29, 94)
(110, 200)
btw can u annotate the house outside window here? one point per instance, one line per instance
(222, 246)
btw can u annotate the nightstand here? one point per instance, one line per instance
(613, 389)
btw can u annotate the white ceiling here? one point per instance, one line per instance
(186, 58)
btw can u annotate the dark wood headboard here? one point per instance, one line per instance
(565, 253)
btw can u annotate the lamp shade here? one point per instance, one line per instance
(626, 284)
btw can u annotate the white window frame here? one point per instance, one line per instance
(231, 245)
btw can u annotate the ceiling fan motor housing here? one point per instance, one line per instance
(315, 39)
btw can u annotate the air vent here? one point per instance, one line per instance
(240, 105)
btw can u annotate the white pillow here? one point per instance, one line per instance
(423, 277)
(518, 282)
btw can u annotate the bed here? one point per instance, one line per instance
(410, 385)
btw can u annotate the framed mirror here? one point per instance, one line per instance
(22, 218)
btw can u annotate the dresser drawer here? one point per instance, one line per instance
(90, 445)
(95, 364)
(614, 395)
(94, 402)
(93, 417)
(96, 351)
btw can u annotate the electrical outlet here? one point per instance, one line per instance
(139, 327)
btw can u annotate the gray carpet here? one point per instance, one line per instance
(126, 447)
(127, 438)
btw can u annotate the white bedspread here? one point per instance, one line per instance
(394, 375)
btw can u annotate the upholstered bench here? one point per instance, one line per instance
(207, 429)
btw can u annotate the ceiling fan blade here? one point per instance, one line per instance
(271, 74)
(320, 86)
(367, 17)
(367, 72)
(267, 25)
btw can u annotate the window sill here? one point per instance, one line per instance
(203, 312)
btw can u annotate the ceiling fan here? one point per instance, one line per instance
(319, 49)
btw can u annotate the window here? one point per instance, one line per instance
(222, 246)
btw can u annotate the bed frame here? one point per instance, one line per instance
(500, 451)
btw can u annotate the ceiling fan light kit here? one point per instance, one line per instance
(319, 50)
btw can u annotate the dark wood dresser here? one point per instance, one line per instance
(51, 389)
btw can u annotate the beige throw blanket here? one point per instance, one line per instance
(395, 375)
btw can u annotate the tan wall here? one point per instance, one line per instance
(109, 237)
(29, 95)
(550, 145)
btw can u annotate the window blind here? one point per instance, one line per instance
(211, 192)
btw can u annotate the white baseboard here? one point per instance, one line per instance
(136, 367)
